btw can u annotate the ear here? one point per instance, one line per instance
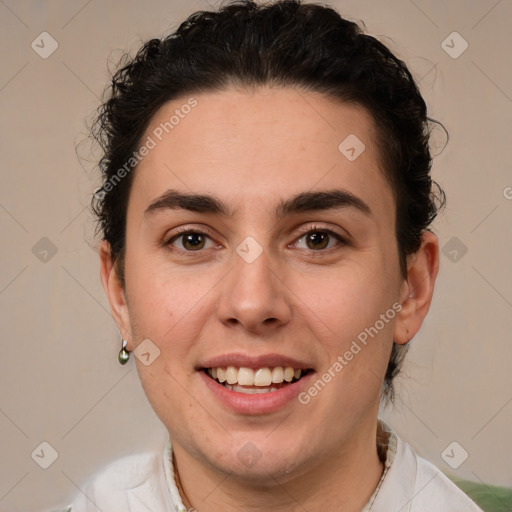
(115, 293)
(417, 289)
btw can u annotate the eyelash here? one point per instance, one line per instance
(318, 229)
(181, 232)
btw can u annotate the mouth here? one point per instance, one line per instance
(255, 384)
(252, 381)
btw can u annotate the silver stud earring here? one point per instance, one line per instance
(124, 355)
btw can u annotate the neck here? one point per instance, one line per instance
(342, 479)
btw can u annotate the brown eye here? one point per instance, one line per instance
(189, 241)
(317, 240)
(193, 241)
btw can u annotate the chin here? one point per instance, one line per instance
(256, 459)
(265, 471)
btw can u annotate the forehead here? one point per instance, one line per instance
(262, 144)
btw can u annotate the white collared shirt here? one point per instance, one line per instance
(145, 483)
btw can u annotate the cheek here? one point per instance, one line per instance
(163, 299)
(344, 313)
(345, 301)
(170, 308)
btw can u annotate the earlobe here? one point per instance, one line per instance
(417, 289)
(115, 292)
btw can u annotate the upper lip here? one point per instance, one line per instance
(247, 361)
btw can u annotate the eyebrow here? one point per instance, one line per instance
(303, 202)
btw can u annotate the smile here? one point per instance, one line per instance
(255, 381)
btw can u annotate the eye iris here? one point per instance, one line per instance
(318, 239)
(193, 241)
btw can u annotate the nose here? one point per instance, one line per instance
(254, 297)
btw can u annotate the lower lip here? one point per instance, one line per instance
(258, 403)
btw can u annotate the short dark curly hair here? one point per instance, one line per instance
(289, 44)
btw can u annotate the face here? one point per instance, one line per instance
(254, 242)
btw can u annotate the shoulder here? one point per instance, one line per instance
(412, 484)
(134, 482)
(127, 472)
(433, 490)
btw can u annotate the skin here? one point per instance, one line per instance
(252, 149)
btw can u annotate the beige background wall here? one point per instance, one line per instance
(60, 380)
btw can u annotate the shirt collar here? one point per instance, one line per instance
(169, 477)
(386, 447)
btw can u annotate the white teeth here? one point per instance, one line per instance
(278, 375)
(261, 377)
(231, 375)
(221, 375)
(249, 391)
(288, 374)
(246, 377)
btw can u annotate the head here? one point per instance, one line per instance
(285, 133)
